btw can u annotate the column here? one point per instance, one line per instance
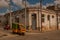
(40, 24)
(37, 21)
(30, 21)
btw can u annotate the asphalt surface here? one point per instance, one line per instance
(7, 35)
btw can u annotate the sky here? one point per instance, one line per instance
(44, 1)
(17, 4)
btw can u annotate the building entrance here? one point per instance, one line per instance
(34, 22)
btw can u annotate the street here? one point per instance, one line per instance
(53, 35)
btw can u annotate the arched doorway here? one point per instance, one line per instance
(34, 22)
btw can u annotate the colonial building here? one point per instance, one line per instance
(36, 19)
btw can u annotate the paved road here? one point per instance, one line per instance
(53, 35)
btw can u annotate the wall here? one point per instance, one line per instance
(49, 24)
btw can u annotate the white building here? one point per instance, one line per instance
(35, 18)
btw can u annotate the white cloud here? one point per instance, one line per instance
(57, 2)
(18, 2)
(50, 4)
(21, 3)
(2, 13)
(38, 5)
(3, 3)
(35, 5)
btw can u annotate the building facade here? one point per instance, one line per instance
(36, 19)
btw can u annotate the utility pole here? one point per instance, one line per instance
(25, 12)
(8, 1)
(40, 16)
(10, 15)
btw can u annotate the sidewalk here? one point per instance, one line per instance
(9, 32)
(6, 33)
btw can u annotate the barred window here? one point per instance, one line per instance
(52, 16)
(48, 17)
(17, 19)
(58, 20)
(23, 16)
(43, 17)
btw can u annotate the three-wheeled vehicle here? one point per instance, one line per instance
(7, 27)
(18, 29)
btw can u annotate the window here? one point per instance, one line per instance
(59, 20)
(43, 17)
(0, 21)
(23, 16)
(52, 16)
(17, 19)
(48, 17)
(34, 16)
